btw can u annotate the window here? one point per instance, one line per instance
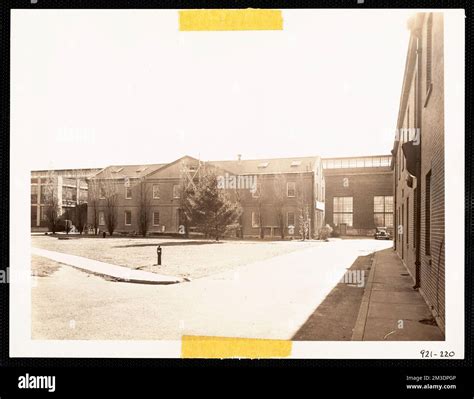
(290, 219)
(156, 191)
(385, 161)
(402, 228)
(156, 218)
(176, 191)
(128, 218)
(101, 218)
(383, 211)
(102, 192)
(428, 214)
(43, 192)
(291, 189)
(34, 215)
(256, 192)
(128, 193)
(342, 212)
(408, 220)
(43, 216)
(295, 163)
(69, 194)
(255, 220)
(82, 195)
(415, 232)
(262, 165)
(34, 194)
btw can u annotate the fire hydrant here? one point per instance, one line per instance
(158, 252)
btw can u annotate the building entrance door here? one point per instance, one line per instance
(343, 227)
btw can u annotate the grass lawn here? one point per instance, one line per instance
(43, 267)
(187, 258)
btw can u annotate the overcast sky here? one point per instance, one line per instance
(92, 88)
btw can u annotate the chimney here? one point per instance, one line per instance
(239, 157)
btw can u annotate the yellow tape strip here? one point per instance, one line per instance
(248, 19)
(220, 348)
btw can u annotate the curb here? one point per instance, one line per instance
(359, 328)
(110, 277)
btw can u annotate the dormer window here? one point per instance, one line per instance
(296, 163)
(263, 165)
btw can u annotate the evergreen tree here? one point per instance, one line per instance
(213, 212)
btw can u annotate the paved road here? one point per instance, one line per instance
(267, 299)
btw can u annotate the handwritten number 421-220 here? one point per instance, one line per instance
(444, 354)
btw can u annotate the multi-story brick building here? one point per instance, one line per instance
(68, 185)
(279, 190)
(418, 162)
(359, 194)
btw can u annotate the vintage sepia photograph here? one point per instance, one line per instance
(216, 178)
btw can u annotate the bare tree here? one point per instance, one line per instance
(144, 207)
(239, 198)
(93, 198)
(80, 217)
(260, 195)
(109, 194)
(303, 208)
(52, 211)
(279, 191)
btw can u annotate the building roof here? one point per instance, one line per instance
(130, 171)
(84, 172)
(268, 166)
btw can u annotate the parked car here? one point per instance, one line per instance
(381, 233)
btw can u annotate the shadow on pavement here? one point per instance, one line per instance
(169, 244)
(335, 317)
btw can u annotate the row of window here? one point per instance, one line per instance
(128, 218)
(290, 191)
(343, 209)
(155, 192)
(369, 162)
(290, 219)
(69, 194)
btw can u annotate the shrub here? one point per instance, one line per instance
(325, 232)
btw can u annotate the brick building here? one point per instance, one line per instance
(418, 162)
(69, 186)
(359, 194)
(282, 188)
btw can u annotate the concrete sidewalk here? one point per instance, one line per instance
(391, 309)
(118, 273)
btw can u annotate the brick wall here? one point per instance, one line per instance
(432, 133)
(426, 111)
(363, 185)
